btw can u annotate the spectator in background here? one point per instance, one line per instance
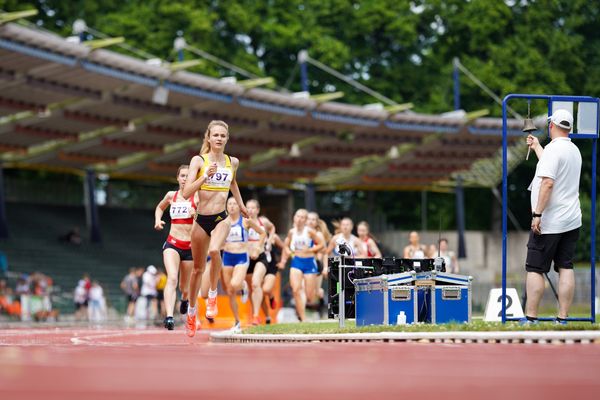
(80, 299)
(370, 248)
(449, 257)
(8, 304)
(415, 249)
(129, 285)
(432, 251)
(97, 303)
(148, 291)
(22, 287)
(71, 237)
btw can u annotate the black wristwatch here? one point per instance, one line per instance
(534, 215)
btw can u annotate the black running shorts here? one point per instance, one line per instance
(545, 248)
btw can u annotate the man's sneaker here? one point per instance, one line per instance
(528, 321)
(190, 325)
(211, 308)
(245, 292)
(560, 321)
(272, 302)
(183, 306)
(268, 320)
(237, 328)
(256, 321)
(169, 323)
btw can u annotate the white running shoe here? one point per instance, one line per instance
(245, 292)
(237, 328)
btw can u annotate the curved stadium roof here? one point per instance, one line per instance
(66, 106)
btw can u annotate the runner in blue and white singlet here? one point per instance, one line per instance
(302, 243)
(235, 257)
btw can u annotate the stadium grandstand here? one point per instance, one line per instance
(79, 108)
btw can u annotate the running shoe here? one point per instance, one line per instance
(211, 308)
(560, 321)
(183, 306)
(245, 292)
(169, 323)
(527, 321)
(256, 321)
(272, 302)
(190, 325)
(237, 328)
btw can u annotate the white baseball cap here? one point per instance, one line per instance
(562, 118)
(152, 269)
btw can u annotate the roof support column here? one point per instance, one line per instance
(310, 201)
(3, 223)
(91, 207)
(460, 217)
(302, 56)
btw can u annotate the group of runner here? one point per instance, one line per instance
(205, 221)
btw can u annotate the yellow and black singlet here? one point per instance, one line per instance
(221, 180)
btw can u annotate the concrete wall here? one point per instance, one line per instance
(484, 262)
(484, 250)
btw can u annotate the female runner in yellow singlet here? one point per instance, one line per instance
(214, 173)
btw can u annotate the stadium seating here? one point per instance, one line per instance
(128, 240)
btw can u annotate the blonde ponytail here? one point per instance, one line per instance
(205, 144)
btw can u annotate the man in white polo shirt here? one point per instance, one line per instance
(556, 216)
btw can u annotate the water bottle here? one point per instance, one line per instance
(401, 318)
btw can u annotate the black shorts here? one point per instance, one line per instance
(319, 266)
(160, 295)
(272, 266)
(262, 258)
(557, 247)
(131, 298)
(209, 222)
(184, 255)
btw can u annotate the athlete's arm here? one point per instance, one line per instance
(374, 248)
(331, 245)
(285, 251)
(159, 224)
(318, 242)
(192, 185)
(360, 250)
(235, 189)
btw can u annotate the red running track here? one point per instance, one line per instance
(89, 364)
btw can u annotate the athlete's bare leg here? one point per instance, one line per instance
(257, 294)
(200, 243)
(185, 270)
(296, 279)
(171, 260)
(217, 240)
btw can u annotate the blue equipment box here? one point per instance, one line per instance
(432, 296)
(380, 299)
(451, 304)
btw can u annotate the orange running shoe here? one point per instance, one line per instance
(190, 325)
(256, 321)
(211, 308)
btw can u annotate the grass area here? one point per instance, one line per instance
(475, 326)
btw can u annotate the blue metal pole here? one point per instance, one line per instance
(593, 233)
(304, 76)
(456, 78)
(504, 201)
(460, 217)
